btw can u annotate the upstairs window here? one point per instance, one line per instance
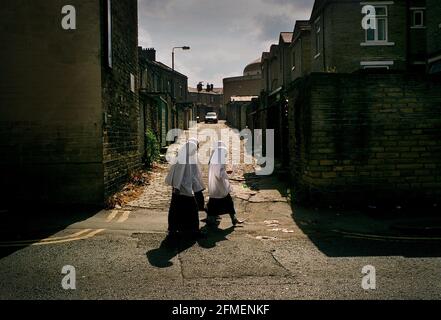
(379, 34)
(418, 19)
(132, 83)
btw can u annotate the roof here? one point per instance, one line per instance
(165, 67)
(216, 91)
(243, 98)
(286, 37)
(273, 48)
(300, 26)
(318, 6)
(253, 66)
(265, 55)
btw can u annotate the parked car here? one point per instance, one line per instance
(211, 117)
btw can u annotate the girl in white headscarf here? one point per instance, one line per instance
(185, 178)
(219, 187)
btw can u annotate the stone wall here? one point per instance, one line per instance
(365, 138)
(237, 114)
(121, 106)
(433, 20)
(242, 86)
(50, 104)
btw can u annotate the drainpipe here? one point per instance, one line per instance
(408, 41)
(323, 37)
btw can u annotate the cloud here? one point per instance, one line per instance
(224, 35)
(272, 25)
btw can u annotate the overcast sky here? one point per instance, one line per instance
(224, 35)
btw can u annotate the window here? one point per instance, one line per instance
(418, 18)
(155, 84)
(144, 79)
(132, 83)
(317, 28)
(379, 34)
(293, 60)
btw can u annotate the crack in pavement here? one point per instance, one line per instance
(280, 264)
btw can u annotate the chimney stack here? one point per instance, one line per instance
(151, 54)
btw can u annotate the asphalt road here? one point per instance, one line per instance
(279, 253)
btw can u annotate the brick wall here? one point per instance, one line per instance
(242, 86)
(121, 130)
(365, 138)
(50, 104)
(433, 20)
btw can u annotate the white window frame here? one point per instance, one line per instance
(132, 83)
(423, 18)
(376, 42)
(386, 33)
(376, 64)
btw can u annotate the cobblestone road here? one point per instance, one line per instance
(260, 201)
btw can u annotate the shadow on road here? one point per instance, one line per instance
(214, 236)
(21, 227)
(272, 182)
(390, 231)
(357, 234)
(162, 256)
(170, 248)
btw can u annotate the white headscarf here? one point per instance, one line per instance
(218, 182)
(185, 174)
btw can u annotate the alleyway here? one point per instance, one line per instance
(276, 254)
(260, 201)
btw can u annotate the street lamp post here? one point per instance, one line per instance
(173, 54)
(173, 78)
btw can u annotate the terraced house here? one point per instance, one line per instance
(300, 50)
(164, 97)
(340, 44)
(360, 110)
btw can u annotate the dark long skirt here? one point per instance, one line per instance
(183, 215)
(219, 207)
(200, 200)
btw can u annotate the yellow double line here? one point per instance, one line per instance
(81, 235)
(124, 216)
